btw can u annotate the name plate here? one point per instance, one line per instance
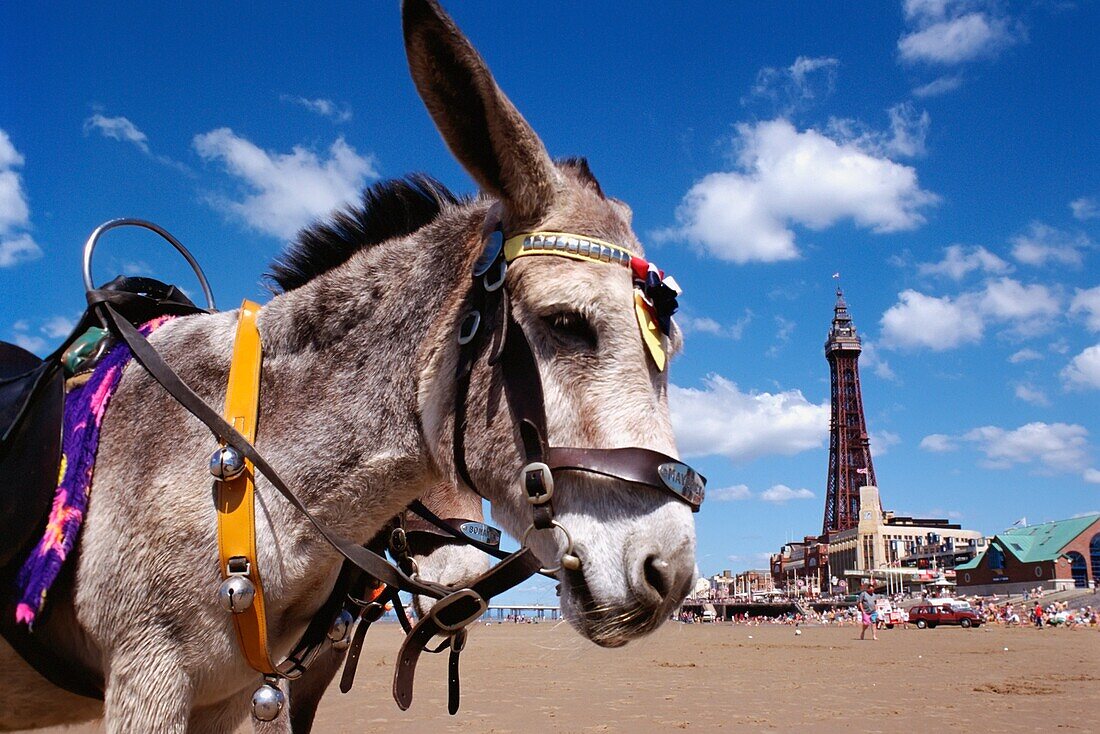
(683, 481)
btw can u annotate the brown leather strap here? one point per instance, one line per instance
(637, 465)
(506, 574)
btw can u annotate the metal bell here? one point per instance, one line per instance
(236, 594)
(570, 562)
(340, 631)
(268, 701)
(226, 463)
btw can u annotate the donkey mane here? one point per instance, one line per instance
(388, 209)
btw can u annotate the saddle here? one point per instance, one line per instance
(32, 402)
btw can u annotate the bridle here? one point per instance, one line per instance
(488, 322)
(488, 313)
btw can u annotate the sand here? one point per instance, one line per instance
(544, 678)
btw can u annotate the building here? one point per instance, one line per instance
(1054, 556)
(898, 545)
(742, 585)
(860, 539)
(802, 567)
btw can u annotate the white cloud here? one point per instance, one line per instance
(721, 420)
(783, 329)
(18, 249)
(57, 327)
(16, 244)
(960, 260)
(1043, 243)
(1010, 300)
(705, 325)
(45, 334)
(905, 136)
(938, 443)
(1031, 394)
(1060, 447)
(286, 190)
(1024, 355)
(117, 128)
(951, 36)
(936, 87)
(729, 494)
(881, 441)
(873, 360)
(945, 322)
(1085, 208)
(1087, 302)
(30, 342)
(917, 320)
(782, 493)
(794, 87)
(1083, 371)
(1092, 476)
(323, 107)
(789, 177)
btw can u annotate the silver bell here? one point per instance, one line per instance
(236, 594)
(268, 701)
(226, 463)
(340, 631)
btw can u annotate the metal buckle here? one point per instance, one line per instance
(538, 482)
(502, 271)
(467, 330)
(464, 597)
(238, 566)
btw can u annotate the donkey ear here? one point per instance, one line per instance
(480, 125)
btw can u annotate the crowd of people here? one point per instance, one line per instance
(1028, 611)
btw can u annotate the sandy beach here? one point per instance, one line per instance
(544, 678)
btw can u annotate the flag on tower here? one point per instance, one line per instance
(836, 276)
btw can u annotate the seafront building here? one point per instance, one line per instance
(1054, 556)
(859, 539)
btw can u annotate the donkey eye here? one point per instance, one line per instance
(572, 327)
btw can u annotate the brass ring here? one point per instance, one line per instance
(568, 543)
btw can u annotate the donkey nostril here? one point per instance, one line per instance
(657, 574)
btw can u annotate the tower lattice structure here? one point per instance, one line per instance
(850, 465)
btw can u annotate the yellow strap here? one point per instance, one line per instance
(235, 498)
(565, 244)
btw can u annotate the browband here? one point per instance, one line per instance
(654, 294)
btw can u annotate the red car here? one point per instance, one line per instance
(930, 616)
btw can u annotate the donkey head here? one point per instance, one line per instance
(602, 389)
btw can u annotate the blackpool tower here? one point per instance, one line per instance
(850, 464)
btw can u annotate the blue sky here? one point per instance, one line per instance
(941, 155)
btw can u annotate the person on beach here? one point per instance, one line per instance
(866, 605)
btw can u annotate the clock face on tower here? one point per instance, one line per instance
(867, 515)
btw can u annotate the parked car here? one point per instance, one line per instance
(930, 616)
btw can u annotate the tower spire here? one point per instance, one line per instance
(850, 465)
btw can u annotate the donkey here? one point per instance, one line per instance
(357, 411)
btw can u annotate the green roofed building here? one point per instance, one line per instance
(1053, 555)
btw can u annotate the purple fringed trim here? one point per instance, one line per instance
(85, 407)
